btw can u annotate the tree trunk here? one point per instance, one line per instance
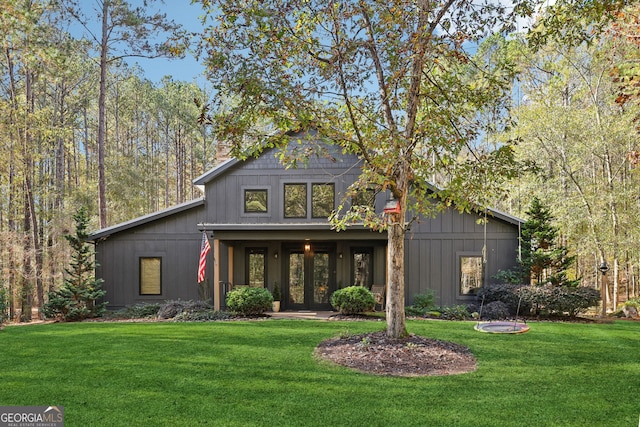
(13, 191)
(396, 322)
(27, 268)
(59, 122)
(102, 187)
(396, 327)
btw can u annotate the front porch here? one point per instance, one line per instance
(307, 266)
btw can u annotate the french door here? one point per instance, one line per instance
(310, 276)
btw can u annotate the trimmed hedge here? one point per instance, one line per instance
(249, 301)
(544, 299)
(558, 300)
(353, 300)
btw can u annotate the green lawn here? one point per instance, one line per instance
(263, 373)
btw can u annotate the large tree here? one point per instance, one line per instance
(580, 139)
(126, 31)
(393, 82)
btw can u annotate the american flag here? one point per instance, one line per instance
(205, 248)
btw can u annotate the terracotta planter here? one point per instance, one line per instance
(275, 306)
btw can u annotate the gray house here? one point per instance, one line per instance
(267, 225)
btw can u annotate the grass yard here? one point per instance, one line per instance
(263, 373)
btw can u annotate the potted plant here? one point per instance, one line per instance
(276, 297)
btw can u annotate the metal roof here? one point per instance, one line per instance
(106, 232)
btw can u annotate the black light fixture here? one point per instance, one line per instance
(603, 268)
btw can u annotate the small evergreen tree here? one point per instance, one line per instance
(543, 259)
(4, 305)
(78, 296)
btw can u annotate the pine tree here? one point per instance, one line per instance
(543, 259)
(78, 296)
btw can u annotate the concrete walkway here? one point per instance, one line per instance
(302, 314)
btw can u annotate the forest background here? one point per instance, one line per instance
(82, 128)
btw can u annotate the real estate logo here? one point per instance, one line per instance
(31, 416)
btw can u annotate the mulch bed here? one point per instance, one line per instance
(375, 353)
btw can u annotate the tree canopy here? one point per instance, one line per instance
(393, 82)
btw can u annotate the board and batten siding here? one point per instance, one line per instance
(175, 239)
(433, 247)
(266, 172)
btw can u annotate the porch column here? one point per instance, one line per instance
(230, 264)
(216, 275)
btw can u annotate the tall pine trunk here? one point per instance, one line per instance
(102, 186)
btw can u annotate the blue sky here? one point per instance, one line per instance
(181, 12)
(187, 69)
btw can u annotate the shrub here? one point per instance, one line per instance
(632, 302)
(422, 303)
(138, 311)
(249, 301)
(171, 309)
(629, 308)
(495, 310)
(276, 292)
(508, 294)
(425, 301)
(455, 312)
(560, 300)
(353, 300)
(573, 300)
(205, 315)
(412, 310)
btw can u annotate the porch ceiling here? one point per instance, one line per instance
(289, 232)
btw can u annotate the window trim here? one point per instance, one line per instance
(306, 201)
(459, 257)
(333, 203)
(140, 278)
(368, 191)
(244, 189)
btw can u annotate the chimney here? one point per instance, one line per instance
(222, 151)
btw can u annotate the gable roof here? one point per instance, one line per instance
(225, 166)
(495, 213)
(106, 232)
(217, 170)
